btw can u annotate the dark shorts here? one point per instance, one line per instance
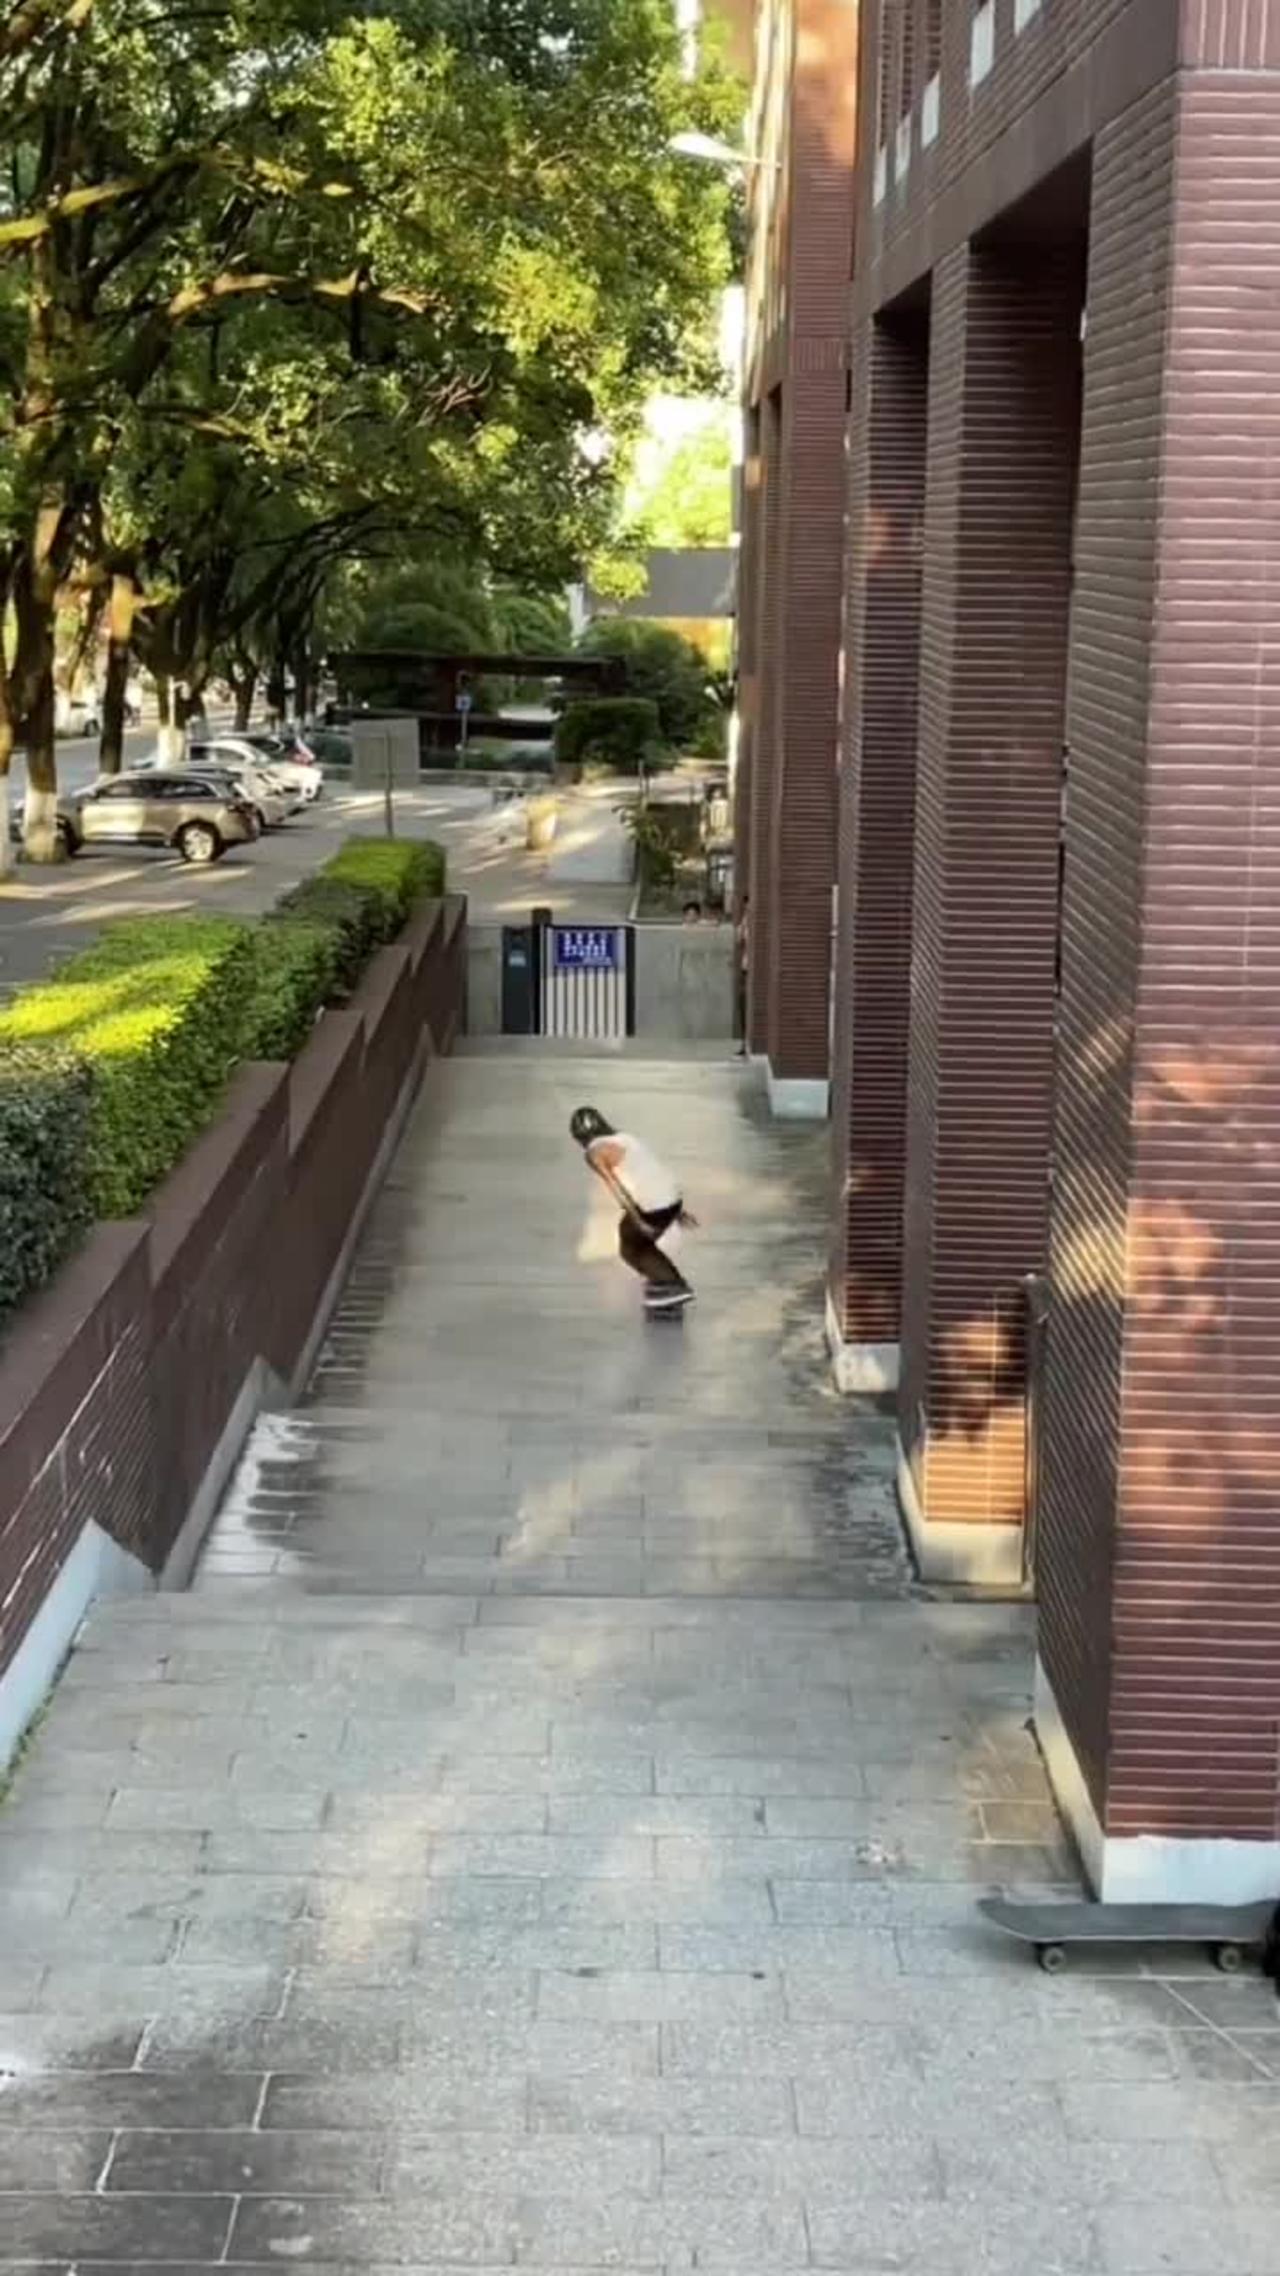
(660, 1221)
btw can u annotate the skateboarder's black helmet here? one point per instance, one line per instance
(587, 1124)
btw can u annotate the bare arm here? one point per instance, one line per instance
(603, 1160)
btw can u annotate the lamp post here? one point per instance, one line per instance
(691, 143)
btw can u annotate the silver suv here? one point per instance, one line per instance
(199, 816)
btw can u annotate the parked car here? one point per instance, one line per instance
(332, 746)
(199, 816)
(289, 753)
(271, 801)
(299, 781)
(77, 714)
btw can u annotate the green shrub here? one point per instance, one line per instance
(46, 1099)
(353, 917)
(295, 976)
(400, 871)
(155, 1008)
(615, 731)
(661, 665)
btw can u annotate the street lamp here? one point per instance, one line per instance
(692, 144)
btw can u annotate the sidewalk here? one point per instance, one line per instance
(548, 1833)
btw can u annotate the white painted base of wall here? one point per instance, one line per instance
(181, 1561)
(974, 1556)
(97, 1566)
(798, 1098)
(1147, 1869)
(860, 1367)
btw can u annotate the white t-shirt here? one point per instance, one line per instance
(648, 1180)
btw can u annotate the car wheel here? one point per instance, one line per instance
(67, 839)
(199, 842)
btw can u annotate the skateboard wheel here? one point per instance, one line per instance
(1052, 1958)
(1230, 1959)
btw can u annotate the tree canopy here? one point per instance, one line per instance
(284, 280)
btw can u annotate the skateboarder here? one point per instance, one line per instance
(649, 1198)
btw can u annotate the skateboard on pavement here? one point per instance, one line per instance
(670, 1310)
(1230, 1932)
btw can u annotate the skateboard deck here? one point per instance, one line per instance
(1230, 1932)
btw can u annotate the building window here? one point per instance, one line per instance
(1024, 11)
(880, 183)
(930, 107)
(982, 42)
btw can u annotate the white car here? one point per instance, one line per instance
(77, 714)
(270, 800)
(290, 763)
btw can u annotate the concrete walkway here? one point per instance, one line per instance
(549, 1832)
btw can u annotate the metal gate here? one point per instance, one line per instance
(571, 981)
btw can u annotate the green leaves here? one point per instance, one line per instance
(111, 1067)
(279, 267)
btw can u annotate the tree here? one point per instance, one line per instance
(690, 503)
(663, 666)
(468, 211)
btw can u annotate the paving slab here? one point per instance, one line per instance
(548, 1833)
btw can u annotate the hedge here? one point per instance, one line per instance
(297, 963)
(155, 1008)
(615, 731)
(46, 1100)
(401, 871)
(109, 1068)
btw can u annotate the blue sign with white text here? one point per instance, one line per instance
(586, 948)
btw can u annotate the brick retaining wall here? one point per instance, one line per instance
(120, 1382)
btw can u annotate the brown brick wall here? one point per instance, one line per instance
(118, 1382)
(1074, 67)
(767, 587)
(1185, 970)
(803, 766)
(877, 817)
(74, 1411)
(1115, 573)
(791, 566)
(1003, 416)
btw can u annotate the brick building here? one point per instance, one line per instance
(1057, 1016)
(801, 134)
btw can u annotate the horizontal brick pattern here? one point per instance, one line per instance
(804, 762)
(766, 584)
(1196, 1686)
(877, 811)
(1025, 65)
(118, 1382)
(995, 641)
(59, 1447)
(805, 109)
(1115, 571)
(937, 640)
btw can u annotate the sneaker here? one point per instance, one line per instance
(667, 1299)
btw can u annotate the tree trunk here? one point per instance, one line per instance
(36, 621)
(276, 698)
(301, 685)
(245, 687)
(7, 740)
(40, 836)
(170, 741)
(124, 595)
